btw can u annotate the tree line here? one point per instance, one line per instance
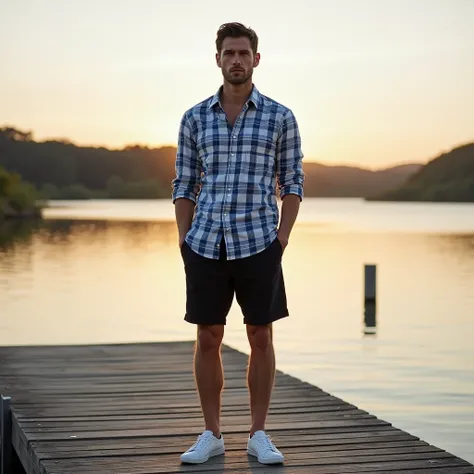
(59, 169)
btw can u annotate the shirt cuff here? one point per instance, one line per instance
(183, 193)
(292, 189)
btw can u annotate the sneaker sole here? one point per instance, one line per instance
(217, 452)
(254, 453)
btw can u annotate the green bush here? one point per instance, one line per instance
(75, 191)
(115, 187)
(22, 197)
(50, 191)
(8, 181)
(16, 196)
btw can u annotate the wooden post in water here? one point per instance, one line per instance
(370, 299)
(6, 433)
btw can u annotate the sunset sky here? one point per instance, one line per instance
(371, 82)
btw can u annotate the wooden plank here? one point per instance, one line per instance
(177, 445)
(155, 421)
(184, 428)
(95, 438)
(6, 446)
(26, 456)
(133, 408)
(291, 447)
(117, 413)
(337, 436)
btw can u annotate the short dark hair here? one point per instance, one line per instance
(236, 30)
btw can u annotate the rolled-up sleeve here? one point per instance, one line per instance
(188, 166)
(289, 156)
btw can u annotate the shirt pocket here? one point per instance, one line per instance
(259, 163)
(260, 143)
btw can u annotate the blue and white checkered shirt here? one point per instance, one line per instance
(232, 173)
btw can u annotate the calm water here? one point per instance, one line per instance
(101, 271)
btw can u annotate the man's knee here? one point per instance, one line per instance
(260, 337)
(209, 337)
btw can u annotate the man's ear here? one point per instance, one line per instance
(218, 59)
(256, 60)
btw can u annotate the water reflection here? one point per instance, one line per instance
(16, 231)
(459, 245)
(55, 239)
(135, 234)
(370, 323)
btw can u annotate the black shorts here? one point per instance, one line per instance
(256, 281)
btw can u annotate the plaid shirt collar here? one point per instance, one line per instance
(255, 98)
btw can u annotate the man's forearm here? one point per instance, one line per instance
(289, 212)
(184, 211)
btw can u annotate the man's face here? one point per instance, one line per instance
(237, 60)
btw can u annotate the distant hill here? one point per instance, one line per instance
(346, 181)
(446, 178)
(62, 169)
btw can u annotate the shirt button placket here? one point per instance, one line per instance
(233, 152)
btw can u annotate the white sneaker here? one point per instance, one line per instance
(261, 446)
(206, 446)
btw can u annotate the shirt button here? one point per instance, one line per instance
(231, 154)
(235, 136)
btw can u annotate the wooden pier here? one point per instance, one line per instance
(133, 409)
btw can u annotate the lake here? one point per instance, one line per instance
(111, 271)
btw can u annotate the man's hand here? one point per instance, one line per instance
(283, 238)
(289, 211)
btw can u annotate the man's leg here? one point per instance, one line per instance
(260, 291)
(209, 378)
(209, 374)
(261, 373)
(209, 295)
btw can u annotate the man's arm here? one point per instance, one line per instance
(187, 183)
(184, 211)
(289, 212)
(290, 176)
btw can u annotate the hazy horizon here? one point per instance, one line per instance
(373, 84)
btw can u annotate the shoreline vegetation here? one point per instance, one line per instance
(36, 172)
(18, 199)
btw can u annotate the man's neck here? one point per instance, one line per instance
(236, 95)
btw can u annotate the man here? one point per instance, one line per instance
(234, 150)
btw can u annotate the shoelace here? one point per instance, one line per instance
(201, 442)
(267, 444)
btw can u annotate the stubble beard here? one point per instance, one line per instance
(237, 80)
